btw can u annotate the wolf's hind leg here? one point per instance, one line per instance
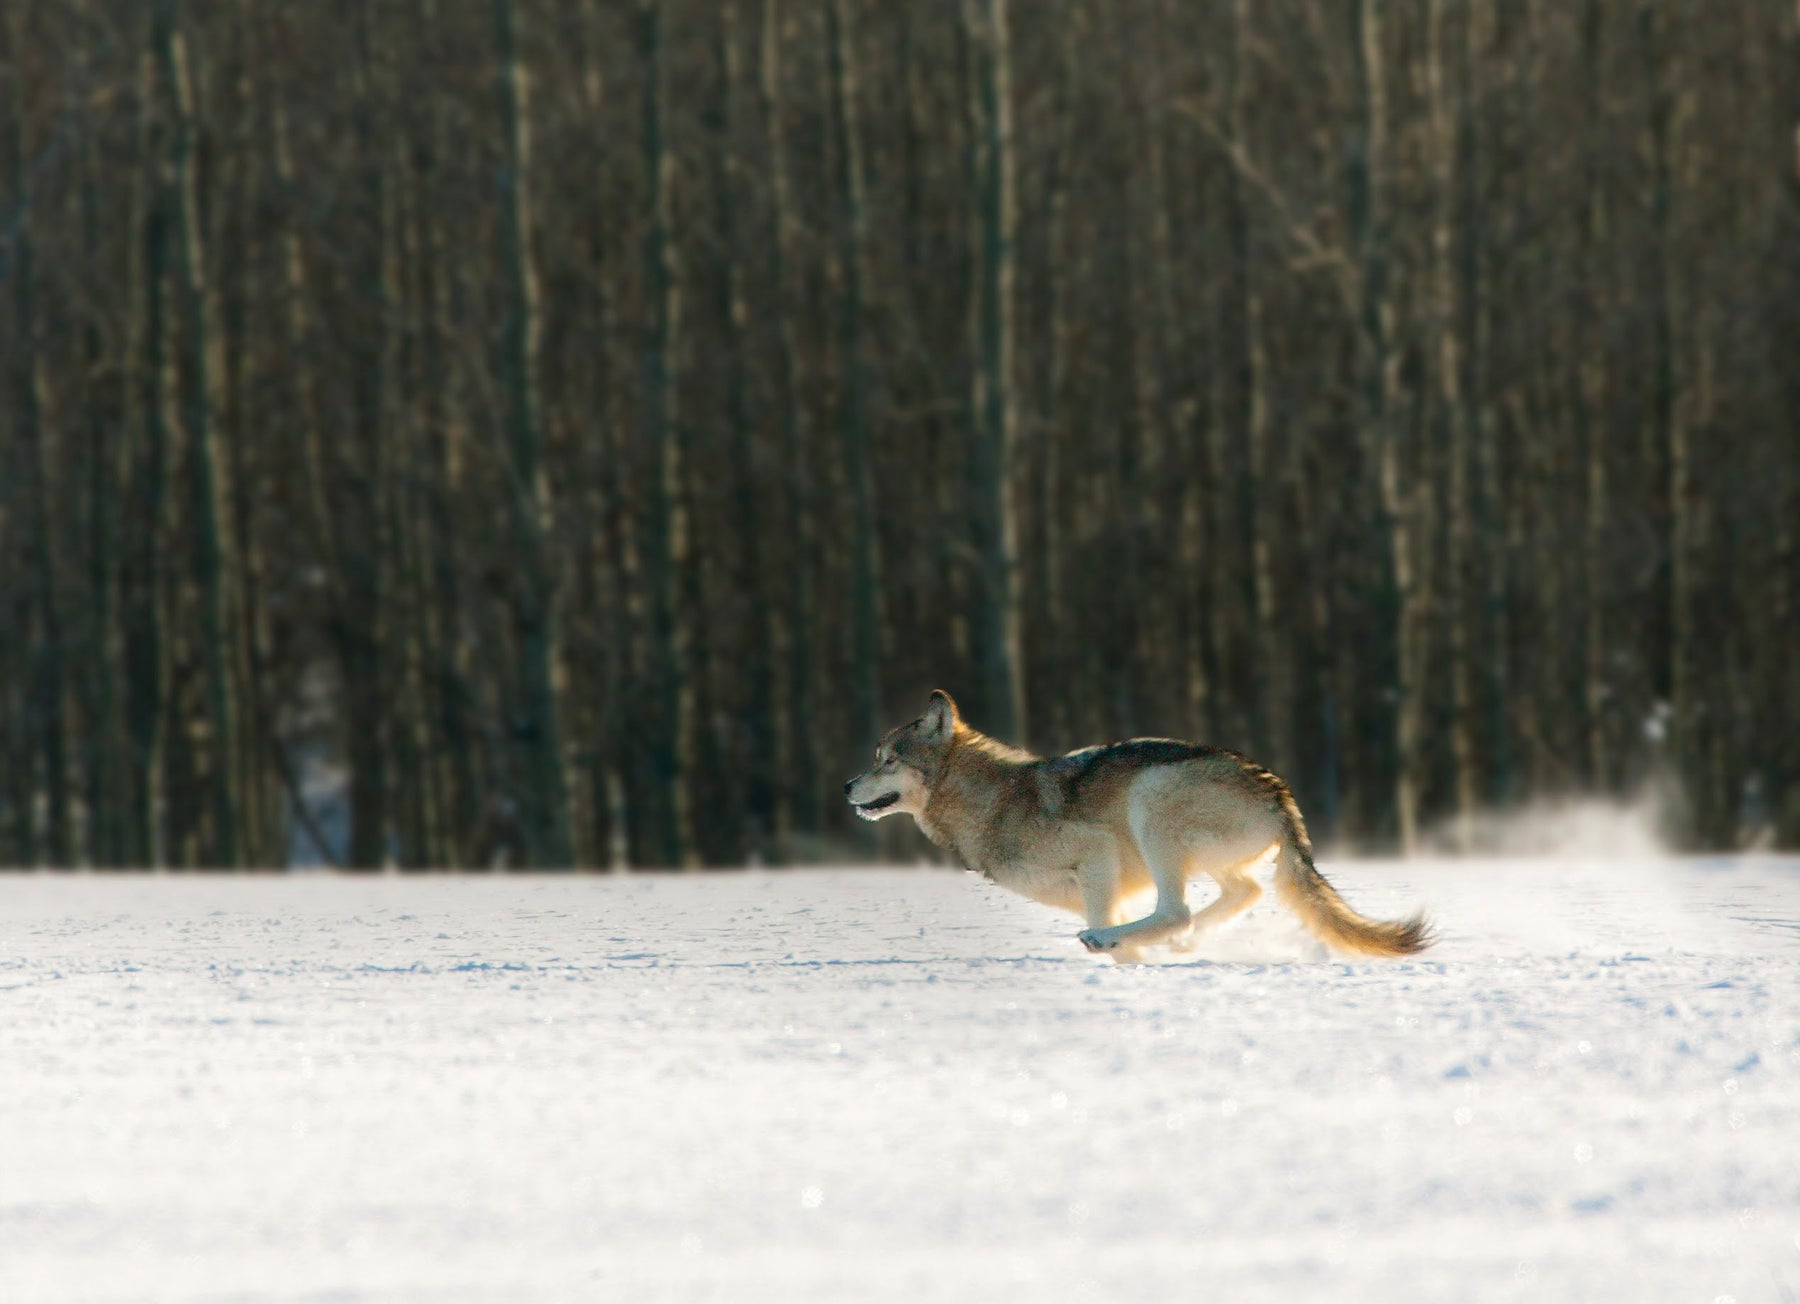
(1238, 891)
(1166, 859)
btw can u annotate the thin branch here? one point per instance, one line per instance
(1316, 253)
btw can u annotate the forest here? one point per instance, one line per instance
(567, 433)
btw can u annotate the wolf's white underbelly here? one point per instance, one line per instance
(1052, 884)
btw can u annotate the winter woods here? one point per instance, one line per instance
(448, 432)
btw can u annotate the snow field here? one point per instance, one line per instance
(895, 1085)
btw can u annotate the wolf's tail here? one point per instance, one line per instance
(1326, 915)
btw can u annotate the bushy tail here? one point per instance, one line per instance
(1326, 914)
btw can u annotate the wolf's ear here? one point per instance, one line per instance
(940, 715)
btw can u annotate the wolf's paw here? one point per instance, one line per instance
(1095, 940)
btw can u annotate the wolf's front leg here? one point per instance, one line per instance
(1100, 898)
(1166, 857)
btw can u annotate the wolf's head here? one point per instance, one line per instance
(907, 763)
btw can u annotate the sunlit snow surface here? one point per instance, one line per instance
(895, 1085)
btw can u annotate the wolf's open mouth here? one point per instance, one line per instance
(880, 803)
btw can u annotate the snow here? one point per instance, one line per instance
(895, 1085)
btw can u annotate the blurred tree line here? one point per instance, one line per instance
(582, 427)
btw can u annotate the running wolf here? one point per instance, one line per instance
(1084, 831)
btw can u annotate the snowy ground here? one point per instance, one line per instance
(894, 1085)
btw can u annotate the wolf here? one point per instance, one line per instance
(1085, 831)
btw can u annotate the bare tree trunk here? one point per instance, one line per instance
(547, 831)
(1785, 616)
(666, 546)
(1147, 443)
(326, 525)
(1378, 390)
(993, 522)
(801, 759)
(448, 667)
(214, 518)
(137, 477)
(1593, 392)
(865, 612)
(350, 487)
(429, 801)
(109, 450)
(1055, 663)
(1447, 117)
(148, 689)
(48, 700)
(765, 634)
(1273, 685)
(1672, 428)
(237, 459)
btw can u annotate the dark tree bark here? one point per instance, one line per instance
(666, 555)
(993, 518)
(539, 727)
